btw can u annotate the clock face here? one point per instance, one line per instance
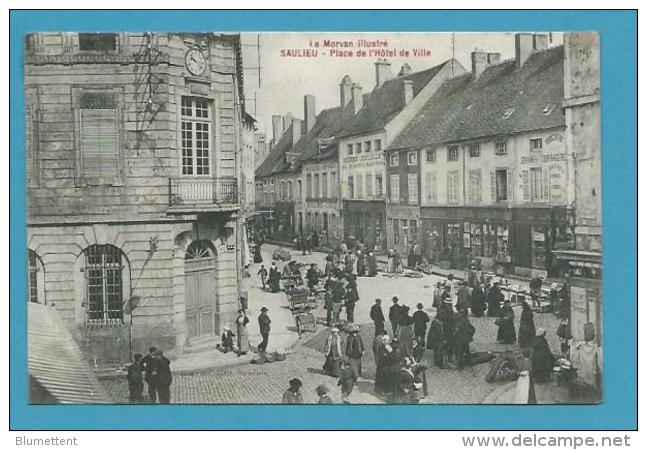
(195, 62)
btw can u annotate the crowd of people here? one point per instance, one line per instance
(155, 370)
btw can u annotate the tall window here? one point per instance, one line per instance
(394, 188)
(104, 285)
(290, 191)
(33, 276)
(360, 187)
(369, 185)
(195, 136)
(501, 185)
(432, 187)
(299, 190)
(367, 146)
(99, 137)
(324, 184)
(452, 187)
(379, 191)
(475, 186)
(333, 184)
(351, 187)
(358, 148)
(317, 186)
(378, 145)
(349, 148)
(536, 184)
(309, 185)
(412, 185)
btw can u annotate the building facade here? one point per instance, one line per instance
(378, 118)
(133, 144)
(494, 168)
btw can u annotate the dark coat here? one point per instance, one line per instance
(313, 277)
(420, 320)
(435, 337)
(464, 298)
(352, 295)
(377, 315)
(542, 358)
(354, 346)
(464, 332)
(494, 300)
(478, 301)
(346, 379)
(395, 312)
(135, 374)
(506, 332)
(264, 323)
(163, 377)
(527, 330)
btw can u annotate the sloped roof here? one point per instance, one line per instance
(55, 361)
(275, 159)
(503, 100)
(387, 101)
(328, 125)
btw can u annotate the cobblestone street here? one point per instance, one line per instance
(265, 383)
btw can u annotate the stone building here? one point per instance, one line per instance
(133, 144)
(495, 173)
(378, 118)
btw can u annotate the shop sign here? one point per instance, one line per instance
(535, 159)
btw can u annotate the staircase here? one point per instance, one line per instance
(201, 344)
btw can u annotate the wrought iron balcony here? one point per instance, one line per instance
(202, 194)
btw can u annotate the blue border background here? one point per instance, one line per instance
(618, 30)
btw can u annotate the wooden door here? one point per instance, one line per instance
(200, 289)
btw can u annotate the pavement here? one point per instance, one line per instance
(228, 379)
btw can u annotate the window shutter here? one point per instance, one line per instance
(510, 193)
(493, 186)
(434, 189)
(525, 183)
(546, 184)
(99, 157)
(428, 185)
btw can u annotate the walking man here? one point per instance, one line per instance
(355, 350)
(263, 274)
(264, 326)
(420, 320)
(377, 316)
(395, 311)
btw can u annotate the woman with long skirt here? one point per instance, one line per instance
(241, 331)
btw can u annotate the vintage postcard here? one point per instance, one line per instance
(345, 218)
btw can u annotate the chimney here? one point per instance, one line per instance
(407, 88)
(309, 113)
(523, 47)
(479, 63)
(287, 120)
(296, 130)
(382, 71)
(345, 91)
(277, 128)
(493, 59)
(358, 99)
(540, 41)
(404, 70)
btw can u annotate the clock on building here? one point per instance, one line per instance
(195, 62)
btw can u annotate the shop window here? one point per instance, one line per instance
(454, 239)
(412, 158)
(476, 239)
(394, 160)
(104, 285)
(431, 156)
(97, 42)
(501, 148)
(538, 239)
(394, 188)
(412, 185)
(475, 150)
(536, 144)
(452, 153)
(502, 251)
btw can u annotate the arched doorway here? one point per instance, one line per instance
(200, 283)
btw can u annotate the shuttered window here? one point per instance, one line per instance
(99, 138)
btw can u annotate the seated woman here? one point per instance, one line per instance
(506, 333)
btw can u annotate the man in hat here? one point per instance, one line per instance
(149, 363)
(420, 321)
(292, 395)
(377, 316)
(262, 272)
(438, 295)
(322, 392)
(264, 326)
(161, 376)
(395, 311)
(464, 297)
(135, 381)
(355, 350)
